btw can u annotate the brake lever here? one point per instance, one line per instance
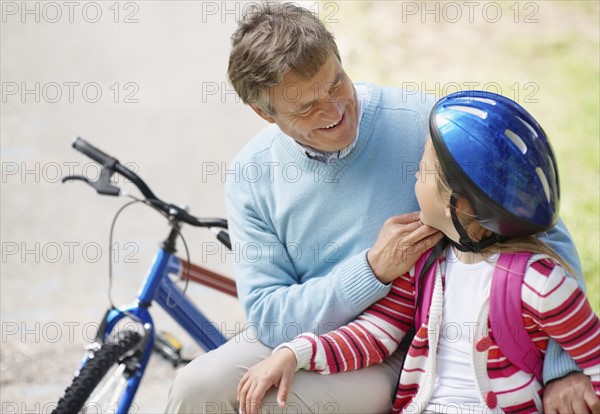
(102, 185)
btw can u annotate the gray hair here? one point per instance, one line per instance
(272, 39)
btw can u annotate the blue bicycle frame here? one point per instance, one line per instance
(158, 287)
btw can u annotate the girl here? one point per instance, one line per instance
(488, 181)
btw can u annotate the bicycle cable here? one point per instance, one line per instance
(110, 243)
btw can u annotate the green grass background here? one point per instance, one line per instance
(543, 54)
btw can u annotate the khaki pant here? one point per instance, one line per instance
(209, 384)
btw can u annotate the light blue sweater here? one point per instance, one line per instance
(301, 228)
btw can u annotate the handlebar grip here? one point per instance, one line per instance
(223, 237)
(94, 153)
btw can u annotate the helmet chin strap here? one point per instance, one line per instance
(466, 244)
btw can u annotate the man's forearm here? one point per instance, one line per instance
(317, 306)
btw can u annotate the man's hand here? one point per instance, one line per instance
(572, 393)
(401, 241)
(276, 371)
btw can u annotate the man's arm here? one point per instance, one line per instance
(277, 301)
(368, 340)
(274, 298)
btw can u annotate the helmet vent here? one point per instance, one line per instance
(484, 100)
(473, 111)
(528, 125)
(516, 140)
(544, 181)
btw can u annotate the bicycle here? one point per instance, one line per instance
(127, 351)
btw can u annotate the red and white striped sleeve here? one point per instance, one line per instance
(371, 338)
(555, 303)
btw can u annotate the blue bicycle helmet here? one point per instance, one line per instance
(498, 157)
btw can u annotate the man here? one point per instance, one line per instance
(325, 221)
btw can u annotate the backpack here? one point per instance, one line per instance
(505, 317)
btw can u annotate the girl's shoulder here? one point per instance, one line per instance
(543, 265)
(546, 280)
(529, 263)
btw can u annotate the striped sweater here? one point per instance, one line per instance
(553, 307)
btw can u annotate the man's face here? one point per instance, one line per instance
(321, 112)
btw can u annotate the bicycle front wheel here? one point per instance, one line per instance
(101, 381)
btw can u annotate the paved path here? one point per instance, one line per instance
(144, 81)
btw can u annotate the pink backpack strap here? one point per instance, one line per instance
(424, 282)
(423, 289)
(506, 317)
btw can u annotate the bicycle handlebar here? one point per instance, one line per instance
(111, 165)
(94, 153)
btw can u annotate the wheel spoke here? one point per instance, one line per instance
(105, 389)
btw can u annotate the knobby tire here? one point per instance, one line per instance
(93, 371)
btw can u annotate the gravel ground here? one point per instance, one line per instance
(145, 81)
